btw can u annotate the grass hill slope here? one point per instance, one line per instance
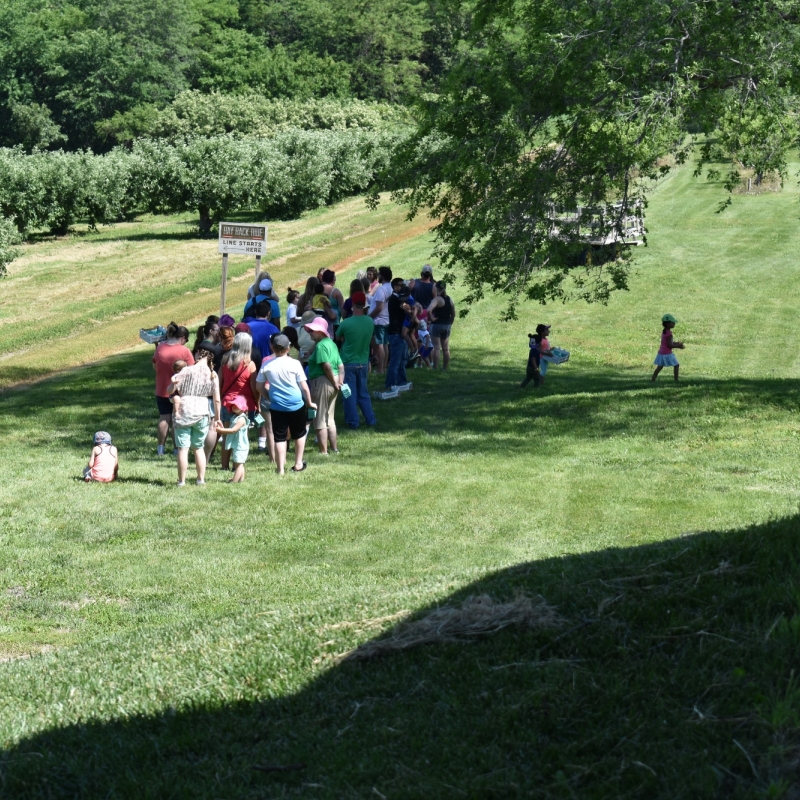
(177, 639)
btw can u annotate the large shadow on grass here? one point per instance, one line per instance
(479, 408)
(670, 675)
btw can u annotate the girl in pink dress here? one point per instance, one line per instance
(665, 358)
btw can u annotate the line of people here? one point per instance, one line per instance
(286, 381)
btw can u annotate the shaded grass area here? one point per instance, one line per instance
(595, 460)
(672, 675)
(195, 633)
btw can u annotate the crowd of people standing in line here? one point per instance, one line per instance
(284, 381)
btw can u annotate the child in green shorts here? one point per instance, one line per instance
(236, 437)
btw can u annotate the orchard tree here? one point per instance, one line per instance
(555, 104)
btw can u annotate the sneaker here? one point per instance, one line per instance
(200, 483)
(335, 452)
(180, 483)
(161, 450)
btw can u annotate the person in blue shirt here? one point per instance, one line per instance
(261, 328)
(265, 292)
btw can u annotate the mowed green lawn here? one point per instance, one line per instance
(142, 599)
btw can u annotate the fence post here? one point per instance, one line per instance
(224, 283)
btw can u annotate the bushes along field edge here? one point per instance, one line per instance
(280, 176)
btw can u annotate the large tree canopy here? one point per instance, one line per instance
(555, 104)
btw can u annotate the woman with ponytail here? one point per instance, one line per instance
(172, 349)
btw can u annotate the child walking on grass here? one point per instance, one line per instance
(103, 462)
(236, 437)
(665, 358)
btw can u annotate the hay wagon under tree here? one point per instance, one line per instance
(602, 230)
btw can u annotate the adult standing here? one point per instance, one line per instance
(306, 298)
(305, 342)
(335, 296)
(442, 313)
(237, 379)
(423, 288)
(261, 329)
(398, 305)
(288, 398)
(372, 276)
(207, 332)
(172, 349)
(196, 385)
(265, 293)
(380, 316)
(356, 334)
(255, 353)
(347, 309)
(325, 375)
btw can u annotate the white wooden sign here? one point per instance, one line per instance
(246, 240)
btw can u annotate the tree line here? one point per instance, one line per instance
(70, 67)
(279, 176)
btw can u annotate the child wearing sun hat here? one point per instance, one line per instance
(103, 464)
(236, 436)
(665, 356)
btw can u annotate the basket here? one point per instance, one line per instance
(559, 356)
(153, 335)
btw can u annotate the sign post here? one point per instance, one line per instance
(239, 239)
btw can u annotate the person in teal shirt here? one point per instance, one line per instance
(356, 335)
(325, 379)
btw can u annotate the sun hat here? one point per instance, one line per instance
(317, 324)
(308, 316)
(281, 341)
(242, 327)
(359, 299)
(238, 402)
(428, 269)
(669, 318)
(102, 437)
(265, 285)
(226, 320)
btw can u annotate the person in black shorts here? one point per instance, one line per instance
(442, 313)
(285, 385)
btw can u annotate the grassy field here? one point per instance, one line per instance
(178, 639)
(90, 292)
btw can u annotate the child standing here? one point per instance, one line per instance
(292, 317)
(543, 331)
(425, 343)
(665, 358)
(236, 437)
(532, 372)
(104, 460)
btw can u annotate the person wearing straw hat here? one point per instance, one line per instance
(326, 376)
(665, 357)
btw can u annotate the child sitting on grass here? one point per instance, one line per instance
(175, 397)
(236, 437)
(665, 358)
(103, 462)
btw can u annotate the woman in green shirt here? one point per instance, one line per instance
(325, 379)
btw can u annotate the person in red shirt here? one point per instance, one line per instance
(172, 349)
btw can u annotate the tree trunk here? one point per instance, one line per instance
(205, 220)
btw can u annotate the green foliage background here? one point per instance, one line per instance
(68, 67)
